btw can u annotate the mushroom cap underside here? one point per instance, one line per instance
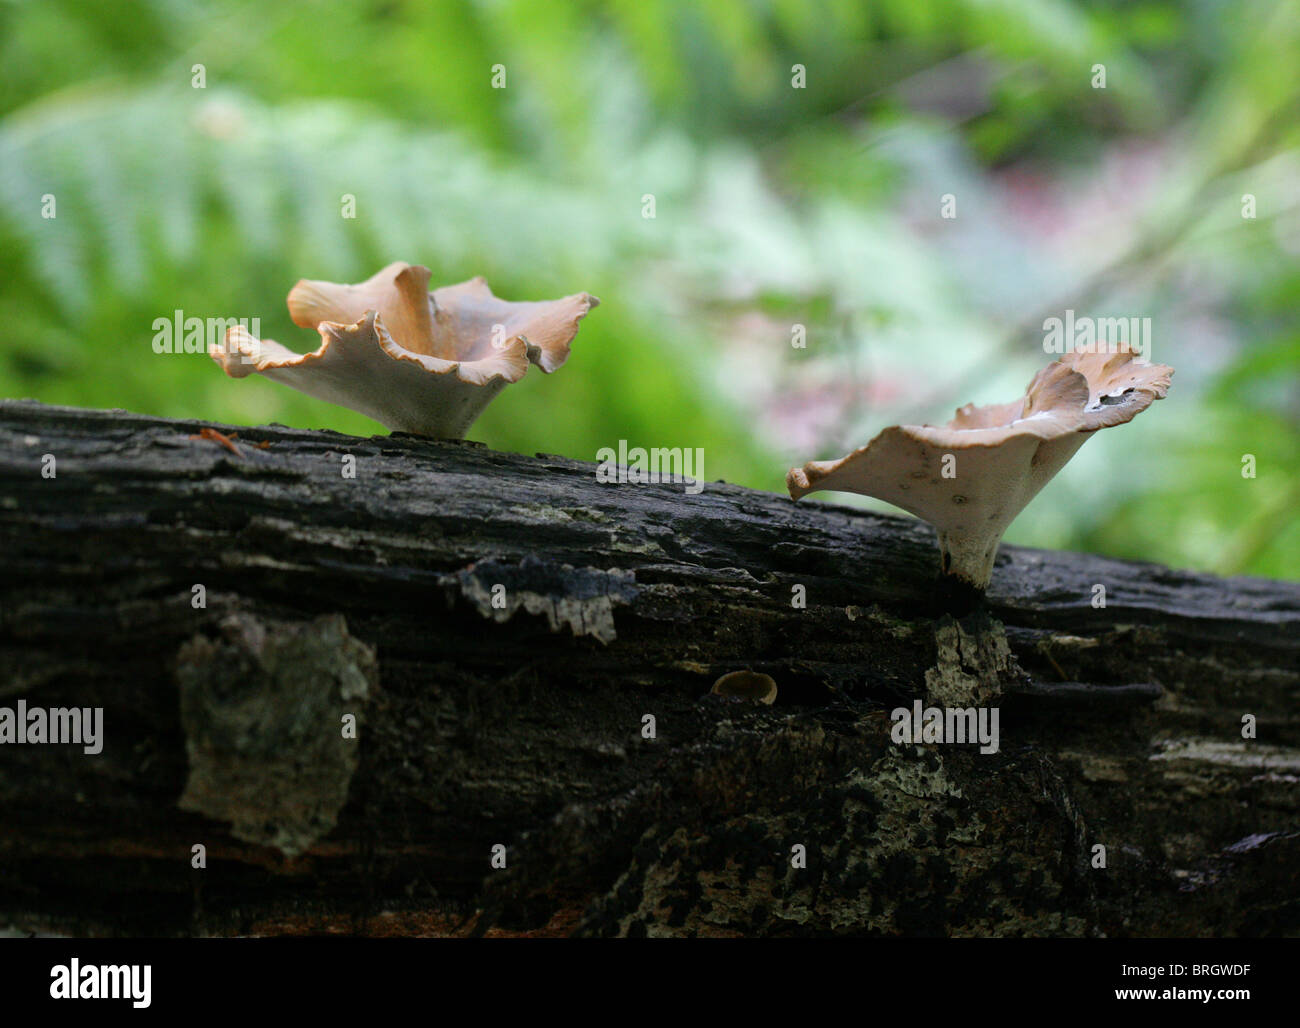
(415, 361)
(977, 472)
(359, 367)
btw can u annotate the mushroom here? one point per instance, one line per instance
(971, 477)
(746, 685)
(416, 361)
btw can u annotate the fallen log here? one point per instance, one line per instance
(523, 656)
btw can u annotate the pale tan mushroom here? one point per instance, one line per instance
(1000, 456)
(413, 360)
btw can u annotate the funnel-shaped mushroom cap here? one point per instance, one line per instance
(415, 361)
(972, 476)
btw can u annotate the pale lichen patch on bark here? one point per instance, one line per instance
(262, 712)
(581, 599)
(974, 663)
(1240, 754)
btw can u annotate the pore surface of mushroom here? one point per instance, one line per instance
(971, 477)
(414, 360)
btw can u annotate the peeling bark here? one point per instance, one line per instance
(516, 717)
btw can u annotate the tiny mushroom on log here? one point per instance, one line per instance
(414, 360)
(971, 477)
(746, 685)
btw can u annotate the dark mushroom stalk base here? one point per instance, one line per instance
(955, 595)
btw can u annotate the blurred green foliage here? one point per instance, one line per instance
(775, 206)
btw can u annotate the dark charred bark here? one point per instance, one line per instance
(522, 726)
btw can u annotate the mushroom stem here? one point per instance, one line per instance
(968, 558)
